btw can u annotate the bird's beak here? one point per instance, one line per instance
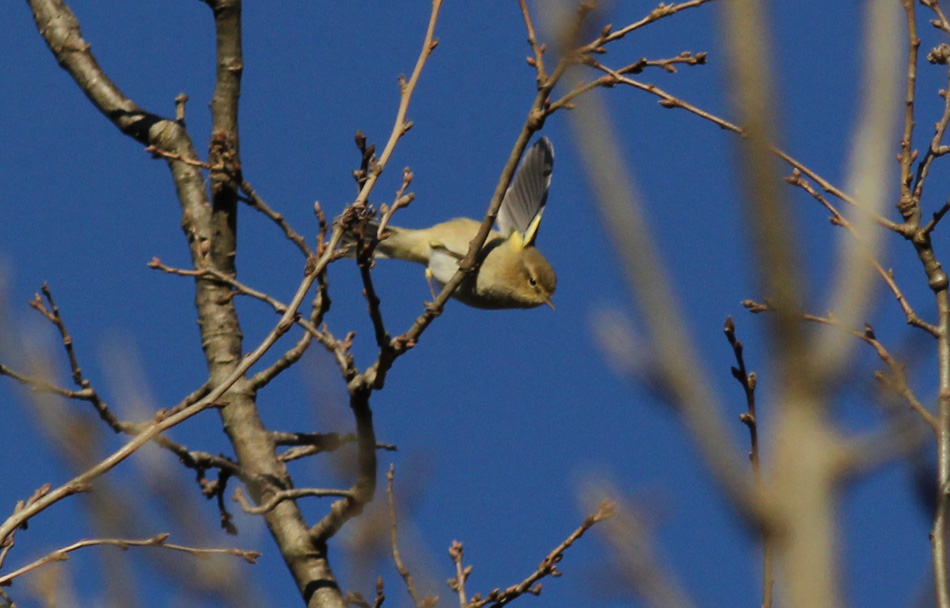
(549, 303)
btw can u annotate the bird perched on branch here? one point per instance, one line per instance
(513, 273)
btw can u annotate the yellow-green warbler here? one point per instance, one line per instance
(513, 273)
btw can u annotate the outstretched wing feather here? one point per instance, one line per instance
(528, 193)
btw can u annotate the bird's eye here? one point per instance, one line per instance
(533, 281)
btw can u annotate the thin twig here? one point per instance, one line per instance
(668, 100)
(397, 558)
(898, 374)
(941, 21)
(661, 11)
(839, 219)
(748, 382)
(256, 202)
(537, 62)
(81, 482)
(907, 155)
(159, 540)
(457, 582)
(934, 150)
(279, 496)
(548, 566)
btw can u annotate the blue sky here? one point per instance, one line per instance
(499, 416)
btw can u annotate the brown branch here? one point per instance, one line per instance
(911, 208)
(401, 126)
(838, 219)
(426, 602)
(363, 489)
(748, 382)
(898, 373)
(937, 216)
(667, 100)
(159, 540)
(150, 430)
(256, 202)
(609, 80)
(86, 391)
(320, 443)
(537, 62)
(279, 496)
(907, 155)
(661, 11)
(335, 347)
(199, 461)
(156, 152)
(941, 21)
(457, 582)
(548, 566)
(319, 307)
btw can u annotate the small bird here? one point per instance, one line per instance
(513, 273)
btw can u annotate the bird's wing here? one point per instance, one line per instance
(524, 201)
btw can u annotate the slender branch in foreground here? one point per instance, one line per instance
(86, 391)
(156, 541)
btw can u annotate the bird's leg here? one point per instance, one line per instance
(431, 284)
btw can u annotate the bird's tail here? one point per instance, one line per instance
(400, 243)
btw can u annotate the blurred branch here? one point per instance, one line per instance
(634, 561)
(867, 175)
(678, 367)
(364, 487)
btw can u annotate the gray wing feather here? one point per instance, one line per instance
(529, 189)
